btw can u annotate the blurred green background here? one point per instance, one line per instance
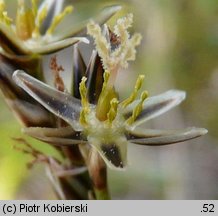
(179, 50)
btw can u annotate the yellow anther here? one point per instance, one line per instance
(137, 110)
(2, 6)
(84, 101)
(58, 19)
(107, 94)
(39, 20)
(106, 78)
(3, 14)
(83, 92)
(113, 110)
(35, 8)
(24, 21)
(6, 19)
(133, 96)
(82, 118)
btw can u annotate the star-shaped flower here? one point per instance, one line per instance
(96, 116)
(33, 32)
(24, 40)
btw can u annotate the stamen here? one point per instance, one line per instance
(107, 94)
(2, 9)
(6, 19)
(137, 110)
(24, 21)
(58, 19)
(106, 78)
(35, 8)
(113, 110)
(84, 101)
(2, 6)
(39, 20)
(3, 14)
(133, 96)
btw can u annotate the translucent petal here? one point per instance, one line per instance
(61, 104)
(55, 136)
(62, 132)
(106, 14)
(29, 114)
(94, 76)
(53, 8)
(56, 46)
(140, 132)
(155, 106)
(114, 154)
(157, 138)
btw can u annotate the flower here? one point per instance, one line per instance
(22, 43)
(33, 31)
(97, 117)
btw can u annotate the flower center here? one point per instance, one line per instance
(108, 108)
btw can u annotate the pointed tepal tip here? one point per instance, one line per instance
(178, 94)
(198, 131)
(24, 80)
(113, 9)
(84, 40)
(202, 131)
(18, 76)
(117, 7)
(108, 12)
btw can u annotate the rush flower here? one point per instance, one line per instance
(34, 29)
(97, 117)
(24, 40)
